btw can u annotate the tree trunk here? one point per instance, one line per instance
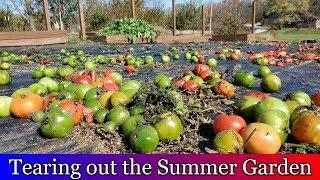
(29, 14)
(60, 20)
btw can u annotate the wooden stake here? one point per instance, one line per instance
(133, 9)
(47, 15)
(253, 16)
(203, 21)
(82, 22)
(174, 23)
(210, 24)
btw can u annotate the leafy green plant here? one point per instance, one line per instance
(132, 29)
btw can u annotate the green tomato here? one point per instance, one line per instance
(5, 66)
(165, 59)
(137, 109)
(110, 126)
(64, 71)
(187, 56)
(176, 56)
(80, 90)
(228, 142)
(244, 79)
(131, 124)
(64, 85)
(131, 84)
(67, 94)
(263, 71)
(169, 127)
(212, 63)
(38, 116)
(271, 103)
(292, 105)
(278, 120)
(149, 60)
(93, 93)
(162, 81)
(49, 71)
(118, 115)
(21, 91)
(302, 98)
(94, 105)
(247, 106)
(5, 103)
(90, 66)
(57, 124)
(271, 83)
(144, 139)
(37, 74)
(101, 115)
(5, 77)
(38, 89)
(116, 77)
(51, 84)
(118, 99)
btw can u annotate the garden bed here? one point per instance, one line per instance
(21, 136)
(9, 39)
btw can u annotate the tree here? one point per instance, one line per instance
(30, 14)
(314, 7)
(287, 12)
(188, 16)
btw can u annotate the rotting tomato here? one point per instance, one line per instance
(228, 142)
(200, 68)
(178, 82)
(144, 139)
(225, 122)
(22, 106)
(58, 123)
(261, 138)
(316, 99)
(190, 86)
(73, 109)
(130, 69)
(168, 126)
(306, 129)
(225, 88)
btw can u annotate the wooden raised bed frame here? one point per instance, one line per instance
(30, 38)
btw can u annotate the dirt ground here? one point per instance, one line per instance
(22, 136)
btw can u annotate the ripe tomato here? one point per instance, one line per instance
(261, 138)
(73, 109)
(190, 86)
(22, 106)
(83, 79)
(178, 82)
(200, 68)
(111, 87)
(225, 122)
(130, 69)
(206, 75)
(316, 99)
(225, 88)
(306, 129)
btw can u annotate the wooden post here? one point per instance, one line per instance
(82, 22)
(174, 23)
(133, 9)
(203, 21)
(47, 15)
(210, 24)
(253, 16)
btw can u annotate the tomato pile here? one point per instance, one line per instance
(81, 90)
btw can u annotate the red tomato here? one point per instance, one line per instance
(201, 58)
(108, 80)
(260, 95)
(72, 108)
(111, 87)
(316, 99)
(279, 64)
(200, 68)
(190, 86)
(233, 56)
(205, 75)
(225, 122)
(179, 82)
(130, 69)
(83, 79)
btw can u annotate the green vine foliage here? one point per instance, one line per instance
(132, 29)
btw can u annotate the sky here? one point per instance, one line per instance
(168, 3)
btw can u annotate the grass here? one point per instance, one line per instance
(296, 35)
